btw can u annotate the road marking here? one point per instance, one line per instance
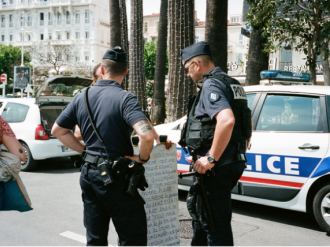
(76, 237)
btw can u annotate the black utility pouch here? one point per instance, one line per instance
(246, 123)
(119, 167)
(105, 173)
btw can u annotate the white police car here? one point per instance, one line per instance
(288, 160)
(32, 119)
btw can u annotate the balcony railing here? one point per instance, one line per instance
(68, 21)
(11, 24)
(77, 21)
(86, 20)
(50, 22)
(59, 22)
(36, 4)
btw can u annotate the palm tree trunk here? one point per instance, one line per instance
(137, 85)
(216, 31)
(158, 99)
(115, 23)
(124, 37)
(181, 23)
(258, 60)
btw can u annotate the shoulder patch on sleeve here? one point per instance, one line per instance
(214, 96)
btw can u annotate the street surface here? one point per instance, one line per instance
(57, 216)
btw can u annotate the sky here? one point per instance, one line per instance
(153, 6)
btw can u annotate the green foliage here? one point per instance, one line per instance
(302, 23)
(150, 89)
(10, 56)
(150, 50)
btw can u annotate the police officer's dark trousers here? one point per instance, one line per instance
(218, 191)
(102, 203)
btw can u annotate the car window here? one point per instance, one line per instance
(15, 113)
(290, 113)
(250, 98)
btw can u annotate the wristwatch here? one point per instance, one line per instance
(210, 159)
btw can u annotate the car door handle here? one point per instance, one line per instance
(309, 147)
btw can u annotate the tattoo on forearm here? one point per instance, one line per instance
(20, 151)
(145, 121)
(140, 123)
(145, 128)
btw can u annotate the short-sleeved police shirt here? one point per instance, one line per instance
(215, 97)
(114, 112)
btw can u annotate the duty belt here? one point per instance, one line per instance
(93, 160)
(231, 159)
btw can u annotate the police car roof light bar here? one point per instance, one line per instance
(285, 76)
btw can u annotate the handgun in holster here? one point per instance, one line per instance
(136, 178)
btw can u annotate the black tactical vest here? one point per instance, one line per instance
(199, 131)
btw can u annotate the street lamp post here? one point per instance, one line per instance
(22, 24)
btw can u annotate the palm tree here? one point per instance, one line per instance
(216, 31)
(137, 83)
(124, 36)
(158, 99)
(181, 24)
(115, 23)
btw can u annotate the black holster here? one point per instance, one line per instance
(136, 178)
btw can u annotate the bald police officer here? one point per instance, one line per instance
(115, 113)
(218, 126)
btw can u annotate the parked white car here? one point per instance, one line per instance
(288, 161)
(32, 119)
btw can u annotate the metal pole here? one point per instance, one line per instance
(22, 23)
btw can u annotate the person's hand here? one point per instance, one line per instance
(168, 143)
(202, 165)
(135, 158)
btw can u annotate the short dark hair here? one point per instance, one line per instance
(95, 69)
(114, 68)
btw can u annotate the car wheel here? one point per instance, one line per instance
(29, 164)
(321, 208)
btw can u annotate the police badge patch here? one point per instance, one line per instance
(213, 97)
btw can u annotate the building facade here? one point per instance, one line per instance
(83, 25)
(237, 43)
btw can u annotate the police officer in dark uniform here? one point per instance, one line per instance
(115, 113)
(218, 141)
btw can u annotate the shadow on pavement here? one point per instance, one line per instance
(56, 165)
(278, 215)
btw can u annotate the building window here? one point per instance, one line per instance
(68, 17)
(286, 57)
(240, 39)
(11, 20)
(67, 35)
(3, 21)
(86, 56)
(156, 26)
(145, 27)
(28, 37)
(86, 16)
(77, 58)
(77, 35)
(59, 35)
(2, 37)
(68, 57)
(50, 35)
(59, 18)
(50, 18)
(10, 37)
(29, 20)
(87, 34)
(77, 16)
(234, 19)
(41, 36)
(41, 19)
